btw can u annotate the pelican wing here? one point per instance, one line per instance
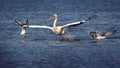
(38, 26)
(76, 23)
(73, 24)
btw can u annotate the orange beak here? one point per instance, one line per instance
(52, 17)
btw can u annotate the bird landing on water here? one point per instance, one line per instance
(97, 36)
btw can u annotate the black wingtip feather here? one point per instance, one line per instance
(82, 22)
(93, 16)
(26, 22)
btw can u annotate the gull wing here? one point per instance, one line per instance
(26, 22)
(38, 26)
(18, 23)
(108, 32)
(76, 23)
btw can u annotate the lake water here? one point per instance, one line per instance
(41, 48)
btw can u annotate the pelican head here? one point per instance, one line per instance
(53, 17)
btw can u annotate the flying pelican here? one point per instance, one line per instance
(59, 29)
(56, 29)
(96, 36)
(24, 26)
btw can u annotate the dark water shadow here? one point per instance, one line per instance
(117, 37)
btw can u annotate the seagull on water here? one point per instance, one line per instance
(97, 36)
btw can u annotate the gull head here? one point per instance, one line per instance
(93, 34)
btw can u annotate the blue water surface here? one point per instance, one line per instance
(41, 48)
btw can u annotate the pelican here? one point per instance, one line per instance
(96, 36)
(59, 29)
(24, 26)
(56, 29)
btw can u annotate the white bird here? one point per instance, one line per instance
(96, 36)
(24, 26)
(59, 29)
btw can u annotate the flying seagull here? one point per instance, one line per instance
(24, 26)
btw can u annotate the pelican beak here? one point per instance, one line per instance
(52, 17)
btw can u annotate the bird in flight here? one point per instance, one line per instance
(24, 26)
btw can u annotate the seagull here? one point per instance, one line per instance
(96, 36)
(24, 26)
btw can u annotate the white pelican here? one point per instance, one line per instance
(96, 36)
(56, 29)
(59, 29)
